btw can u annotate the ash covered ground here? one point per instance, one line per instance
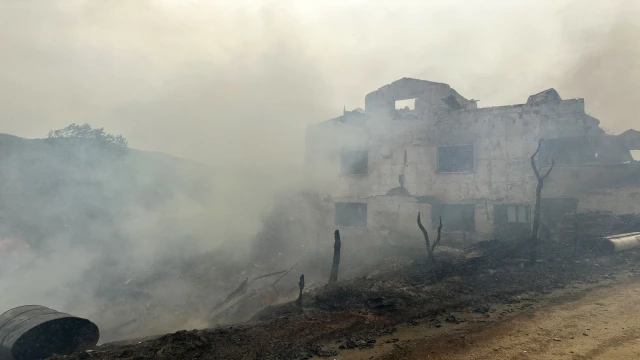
(482, 287)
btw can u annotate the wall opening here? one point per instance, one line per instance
(553, 209)
(568, 151)
(455, 158)
(354, 162)
(351, 214)
(518, 214)
(406, 105)
(635, 154)
(456, 217)
(512, 221)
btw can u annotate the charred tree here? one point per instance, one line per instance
(430, 247)
(301, 287)
(335, 266)
(575, 232)
(533, 255)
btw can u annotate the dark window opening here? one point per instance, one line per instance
(512, 221)
(553, 209)
(351, 214)
(456, 217)
(518, 214)
(455, 158)
(354, 162)
(568, 151)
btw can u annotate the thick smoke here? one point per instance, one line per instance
(605, 70)
(233, 85)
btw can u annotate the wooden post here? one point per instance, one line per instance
(333, 278)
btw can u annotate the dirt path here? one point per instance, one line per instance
(604, 323)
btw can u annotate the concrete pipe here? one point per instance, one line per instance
(35, 332)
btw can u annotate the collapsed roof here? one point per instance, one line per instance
(549, 95)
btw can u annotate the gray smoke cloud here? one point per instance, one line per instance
(605, 67)
(199, 79)
(233, 85)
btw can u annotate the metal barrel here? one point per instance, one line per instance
(36, 332)
(619, 242)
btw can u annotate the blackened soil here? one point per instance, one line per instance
(354, 313)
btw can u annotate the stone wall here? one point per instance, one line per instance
(503, 139)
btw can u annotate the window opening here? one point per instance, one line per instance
(351, 214)
(354, 162)
(455, 158)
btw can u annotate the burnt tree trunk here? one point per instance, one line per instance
(430, 247)
(533, 255)
(333, 278)
(301, 287)
(575, 232)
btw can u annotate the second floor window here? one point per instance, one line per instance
(351, 214)
(452, 159)
(518, 213)
(354, 162)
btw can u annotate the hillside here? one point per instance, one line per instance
(81, 225)
(63, 188)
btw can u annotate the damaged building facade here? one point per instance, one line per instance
(419, 146)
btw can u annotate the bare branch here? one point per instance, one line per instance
(241, 289)
(424, 232)
(283, 275)
(439, 233)
(549, 172)
(272, 274)
(533, 160)
(538, 148)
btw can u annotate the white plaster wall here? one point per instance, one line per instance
(503, 138)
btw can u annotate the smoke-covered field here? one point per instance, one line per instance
(146, 243)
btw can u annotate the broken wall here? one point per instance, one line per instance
(502, 140)
(611, 201)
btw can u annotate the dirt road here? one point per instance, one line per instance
(604, 323)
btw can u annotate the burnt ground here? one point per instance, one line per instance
(358, 312)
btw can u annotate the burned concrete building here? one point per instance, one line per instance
(420, 146)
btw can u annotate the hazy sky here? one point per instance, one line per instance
(234, 83)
